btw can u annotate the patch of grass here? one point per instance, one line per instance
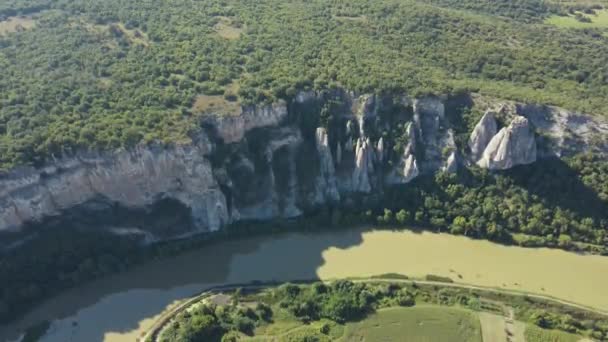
(134, 36)
(536, 334)
(599, 20)
(360, 18)
(15, 24)
(288, 329)
(227, 29)
(416, 324)
(215, 104)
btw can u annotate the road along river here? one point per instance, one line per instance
(122, 307)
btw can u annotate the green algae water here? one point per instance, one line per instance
(122, 307)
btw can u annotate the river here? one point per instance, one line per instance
(120, 308)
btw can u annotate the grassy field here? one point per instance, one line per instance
(599, 20)
(418, 324)
(286, 328)
(536, 334)
(226, 29)
(14, 24)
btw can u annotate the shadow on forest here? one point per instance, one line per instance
(555, 182)
(119, 303)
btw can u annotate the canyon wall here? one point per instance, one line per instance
(284, 159)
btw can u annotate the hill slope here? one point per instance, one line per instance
(87, 74)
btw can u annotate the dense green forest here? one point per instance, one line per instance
(80, 74)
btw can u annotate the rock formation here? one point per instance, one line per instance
(451, 165)
(364, 156)
(327, 180)
(133, 179)
(513, 145)
(268, 162)
(410, 169)
(483, 132)
(407, 167)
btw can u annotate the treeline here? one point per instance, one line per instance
(551, 204)
(105, 74)
(210, 322)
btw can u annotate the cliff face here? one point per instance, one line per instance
(280, 160)
(511, 146)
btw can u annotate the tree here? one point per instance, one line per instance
(459, 225)
(402, 216)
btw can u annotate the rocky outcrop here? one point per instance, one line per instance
(232, 129)
(432, 131)
(407, 167)
(326, 183)
(410, 169)
(511, 146)
(451, 165)
(566, 133)
(133, 179)
(364, 165)
(483, 132)
(273, 161)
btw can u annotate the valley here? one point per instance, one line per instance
(303, 170)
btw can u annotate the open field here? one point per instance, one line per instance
(418, 324)
(14, 24)
(599, 20)
(226, 29)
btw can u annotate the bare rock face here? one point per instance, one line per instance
(410, 169)
(305, 96)
(567, 133)
(483, 132)
(407, 168)
(380, 152)
(266, 163)
(364, 156)
(326, 183)
(366, 112)
(232, 129)
(451, 164)
(513, 145)
(133, 179)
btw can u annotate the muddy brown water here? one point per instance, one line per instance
(120, 308)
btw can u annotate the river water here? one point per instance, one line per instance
(120, 308)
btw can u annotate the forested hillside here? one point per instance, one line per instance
(103, 74)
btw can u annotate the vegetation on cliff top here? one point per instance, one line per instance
(90, 74)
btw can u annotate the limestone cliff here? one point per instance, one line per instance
(511, 146)
(483, 132)
(280, 160)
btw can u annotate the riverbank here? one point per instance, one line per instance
(121, 307)
(499, 300)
